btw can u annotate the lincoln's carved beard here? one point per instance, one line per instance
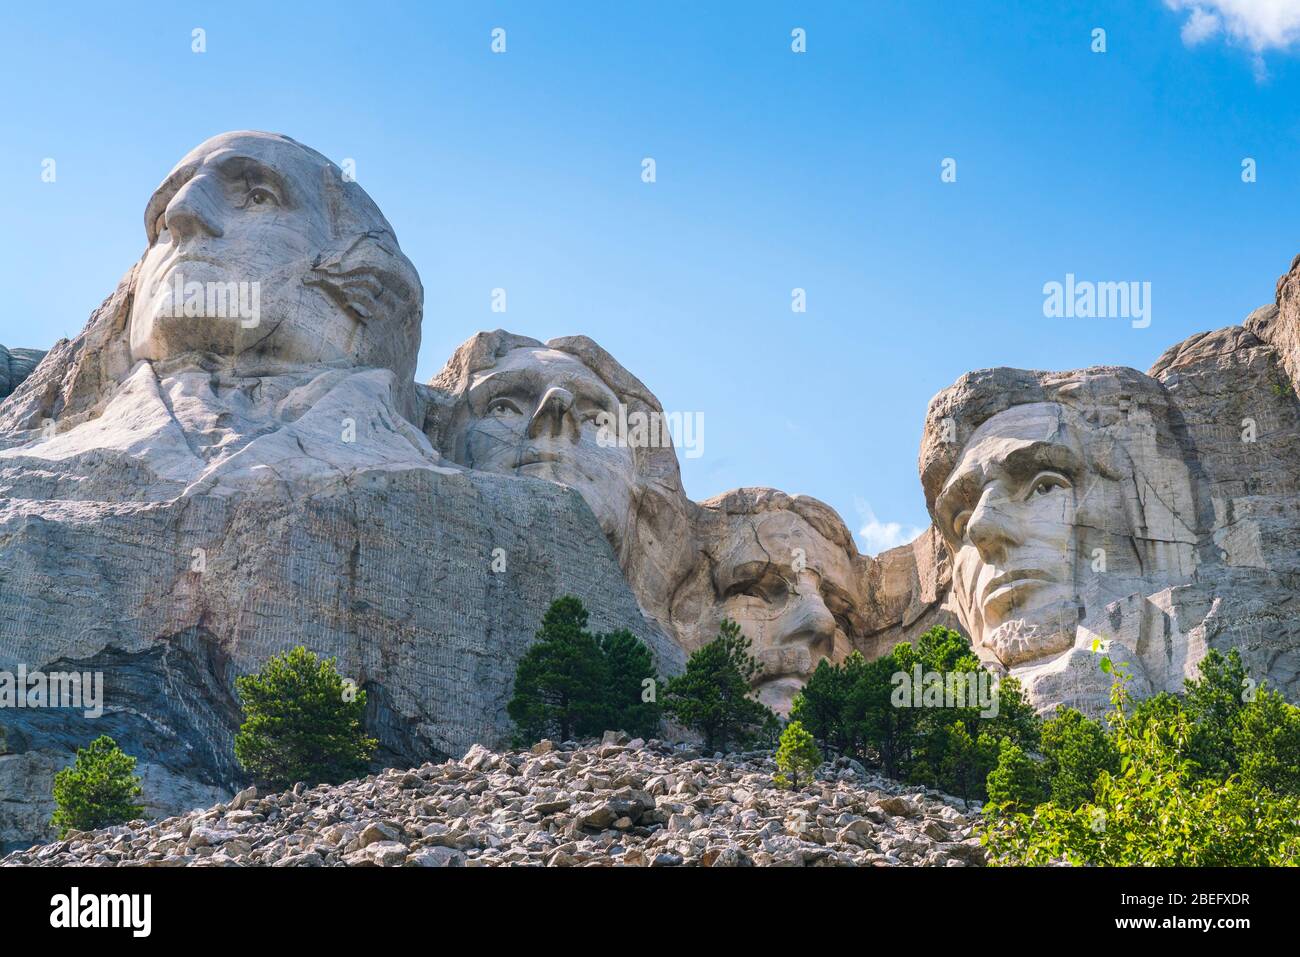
(1021, 640)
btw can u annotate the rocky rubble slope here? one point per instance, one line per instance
(614, 803)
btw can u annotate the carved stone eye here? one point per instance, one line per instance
(258, 196)
(1048, 482)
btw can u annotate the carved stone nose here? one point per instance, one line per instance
(810, 619)
(992, 529)
(551, 412)
(191, 212)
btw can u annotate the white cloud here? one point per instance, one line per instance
(876, 536)
(1257, 24)
(1200, 26)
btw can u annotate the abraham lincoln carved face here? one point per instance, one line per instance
(1054, 511)
(1008, 512)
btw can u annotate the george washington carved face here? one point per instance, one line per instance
(259, 251)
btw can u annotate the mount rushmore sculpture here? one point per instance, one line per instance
(1157, 515)
(233, 458)
(182, 496)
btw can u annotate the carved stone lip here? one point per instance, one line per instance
(535, 456)
(164, 272)
(1001, 586)
(185, 256)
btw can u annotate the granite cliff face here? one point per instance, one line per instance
(181, 497)
(15, 366)
(1157, 513)
(233, 459)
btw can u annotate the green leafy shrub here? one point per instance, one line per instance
(1076, 750)
(301, 723)
(97, 790)
(1157, 807)
(797, 757)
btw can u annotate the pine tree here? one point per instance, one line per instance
(1267, 743)
(964, 759)
(712, 696)
(884, 734)
(1017, 782)
(1213, 702)
(561, 683)
(797, 757)
(629, 665)
(301, 723)
(821, 705)
(97, 790)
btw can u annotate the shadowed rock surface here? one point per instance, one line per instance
(15, 366)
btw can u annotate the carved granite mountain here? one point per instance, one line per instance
(183, 495)
(233, 459)
(1158, 513)
(783, 566)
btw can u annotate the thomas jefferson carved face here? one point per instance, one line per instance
(789, 589)
(535, 413)
(259, 250)
(1009, 513)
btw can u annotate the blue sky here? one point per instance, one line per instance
(775, 170)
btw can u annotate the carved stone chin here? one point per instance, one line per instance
(1019, 641)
